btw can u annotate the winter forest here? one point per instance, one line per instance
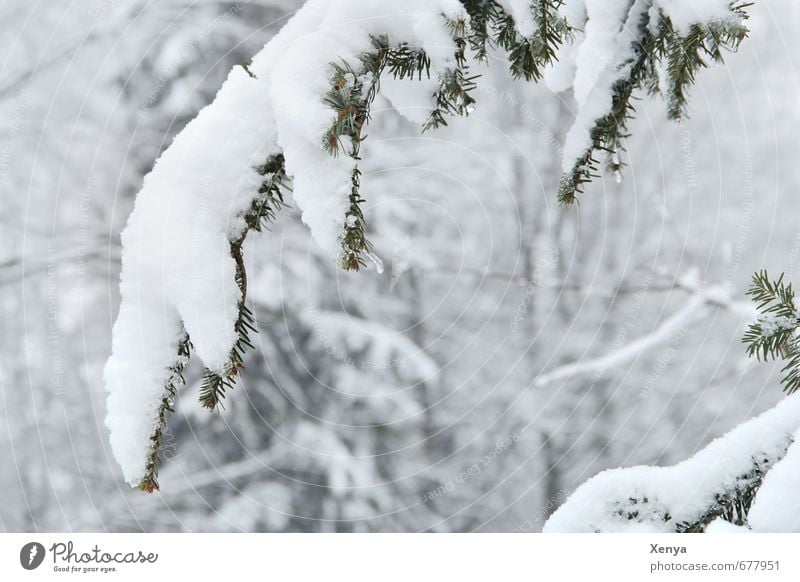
(383, 266)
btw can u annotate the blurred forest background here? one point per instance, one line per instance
(511, 349)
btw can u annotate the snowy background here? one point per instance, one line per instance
(510, 350)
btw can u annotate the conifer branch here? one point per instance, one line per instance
(454, 96)
(774, 334)
(662, 61)
(529, 56)
(491, 25)
(657, 42)
(685, 55)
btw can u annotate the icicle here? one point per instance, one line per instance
(376, 260)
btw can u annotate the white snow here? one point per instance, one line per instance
(560, 75)
(411, 98)
(684, 491)
(719, 525)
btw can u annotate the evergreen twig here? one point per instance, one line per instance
(491, 25)
(149, 482)
(774, 334)
(353, 90)
(657, 42)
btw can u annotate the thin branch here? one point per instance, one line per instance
(667, 329)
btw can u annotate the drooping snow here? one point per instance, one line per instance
(176, 264)
(177, 271)
(410, 98)
(658, 498)
(561, 73)
(607, 45)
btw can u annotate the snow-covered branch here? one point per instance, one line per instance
(630, 45)
(721, 481)
(664, 331)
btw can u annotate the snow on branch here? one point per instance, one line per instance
(325, 68)
(298, 112)
(627, 45)
(721, 481)
(181, 266)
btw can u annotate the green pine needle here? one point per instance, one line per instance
(774, 335)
